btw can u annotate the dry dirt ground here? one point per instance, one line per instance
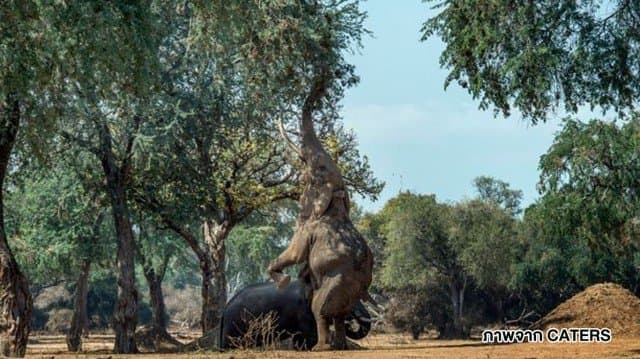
(377, 346)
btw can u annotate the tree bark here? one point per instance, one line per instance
(158, 309)
(80, 319)
(214, 281)
(212, 260)
(15, 299)
(457, 290)
(126, 312)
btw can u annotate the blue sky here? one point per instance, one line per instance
(420, 137)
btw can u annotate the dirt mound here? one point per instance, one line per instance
(605, 305)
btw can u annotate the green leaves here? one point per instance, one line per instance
(590, 202)
(57, 222)
(425, 239)
(541, 56)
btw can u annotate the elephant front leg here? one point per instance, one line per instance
(275, 271)
(297, 252)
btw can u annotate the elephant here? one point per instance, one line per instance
(337, 257)
(293, 317)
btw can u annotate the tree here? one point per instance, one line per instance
(221, 157)
(56, 216)
(156, 251)
(109, 74)
(584, 228)
(447, 251)
(497, 191)
(420, 251)
(486, 243)
(589, 183)
(27, 70)
(555, 56)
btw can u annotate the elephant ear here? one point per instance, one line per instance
(324, 195)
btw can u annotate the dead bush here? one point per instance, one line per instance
(261, 331)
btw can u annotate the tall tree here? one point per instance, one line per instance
(57, 218)
(156, 251)
(447, 251)
(555, 56)
(592, 171)
(221, 157)
(486, 242)
(28, 69)
(109, 76)
(497, 191)
(420, 251)
(584, 229)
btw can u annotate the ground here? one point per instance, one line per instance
(377, 346)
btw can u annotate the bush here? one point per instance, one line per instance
(412, 310)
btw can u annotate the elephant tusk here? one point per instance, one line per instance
(283, 133)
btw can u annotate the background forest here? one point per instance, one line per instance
(142, 168)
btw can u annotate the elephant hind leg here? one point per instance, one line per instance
(330, 302)
(341, 333)
(322, 324)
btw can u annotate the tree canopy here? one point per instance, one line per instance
(539, 57)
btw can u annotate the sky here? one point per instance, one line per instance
(419, 137)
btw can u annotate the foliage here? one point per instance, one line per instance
(447, 255)
(249, 250)
(556, 54)
(584, 230)
(497, 191)
(417, 241)
(482, 230)
(57, 221)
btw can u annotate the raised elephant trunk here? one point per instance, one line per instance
(336, 255)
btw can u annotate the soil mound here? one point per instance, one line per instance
(605, 305)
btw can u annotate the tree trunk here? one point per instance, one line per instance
(15, 299)
(126, 312)
(211, 258)
(158, 310)
(80, 319)
(457, 289)
(214, 282)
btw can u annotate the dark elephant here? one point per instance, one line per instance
(293, 316)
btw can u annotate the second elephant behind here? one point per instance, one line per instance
(291, 307)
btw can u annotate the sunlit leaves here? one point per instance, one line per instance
(539, 57)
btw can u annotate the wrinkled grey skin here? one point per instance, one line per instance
(338, 259)
(291, 307)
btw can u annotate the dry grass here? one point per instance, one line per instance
(385, 346)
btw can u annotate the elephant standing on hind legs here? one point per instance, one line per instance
(337, 257)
